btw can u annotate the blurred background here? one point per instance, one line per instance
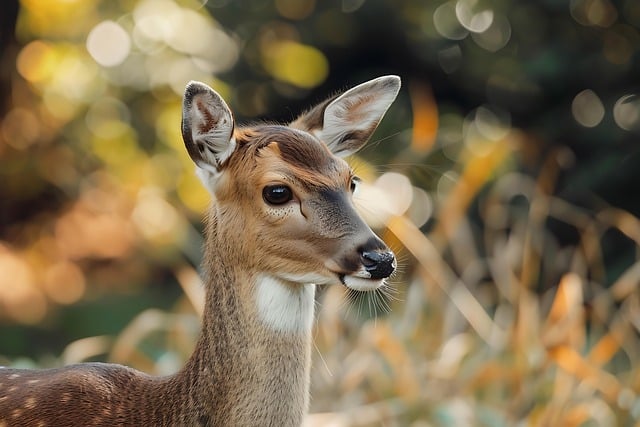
(505, 176)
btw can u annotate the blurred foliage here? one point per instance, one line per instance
(505, 176)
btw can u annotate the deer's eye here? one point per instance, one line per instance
(277, 194)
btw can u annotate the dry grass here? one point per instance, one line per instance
(475, 339)
(472, 338)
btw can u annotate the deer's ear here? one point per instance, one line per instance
(207, 127)
(346, 123)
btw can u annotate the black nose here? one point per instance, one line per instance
(380, 264)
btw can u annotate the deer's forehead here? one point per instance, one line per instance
(298, 155)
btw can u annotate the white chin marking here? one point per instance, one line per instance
(360, 284)
(316, 278)
(285, 307)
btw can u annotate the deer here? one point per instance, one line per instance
(282, 221)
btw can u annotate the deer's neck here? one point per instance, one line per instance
(250, 366)
(251, 363)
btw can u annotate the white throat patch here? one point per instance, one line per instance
(285, 308)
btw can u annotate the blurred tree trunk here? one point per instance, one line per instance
(8, 51)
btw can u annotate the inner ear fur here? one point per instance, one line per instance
(346, 122)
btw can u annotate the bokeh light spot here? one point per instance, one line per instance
(450, 58)
(373, 203)
(483, 127)
(108, 118)
(192, 193)
(599, 13)
(446, 22)
(617, 48)
(496, 36)
(492, 123)
(108, 44)
(36, 61)
(162, 23)
(626, 112)
(295, 9)
(20, 297)
(59, 106)
(64, 283)
(421, 208)
(295, 63)
(154, 217)
(349, 6)
(86, 232)
(20, 128)
(587, 108)
(473, 16)
(399, 189)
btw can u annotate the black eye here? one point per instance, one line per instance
(277, 194)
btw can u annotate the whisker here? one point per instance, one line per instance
(391, 293)
(387, 294)
(374, 143)
(372, 306)
(322, 359)
(375, 302)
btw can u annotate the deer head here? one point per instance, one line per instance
(284, 193)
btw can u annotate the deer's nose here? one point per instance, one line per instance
(380, 264)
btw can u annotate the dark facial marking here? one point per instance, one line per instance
(297, 148)
(336, 213)
(308, 154)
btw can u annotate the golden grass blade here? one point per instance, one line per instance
(192, 286)
(429, 257)
(84, 349)
(604, 350)
(627, 283)
(571, 362)
(425, 118)
(564, 324)
(478, 169)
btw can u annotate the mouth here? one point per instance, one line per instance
(360, 283)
